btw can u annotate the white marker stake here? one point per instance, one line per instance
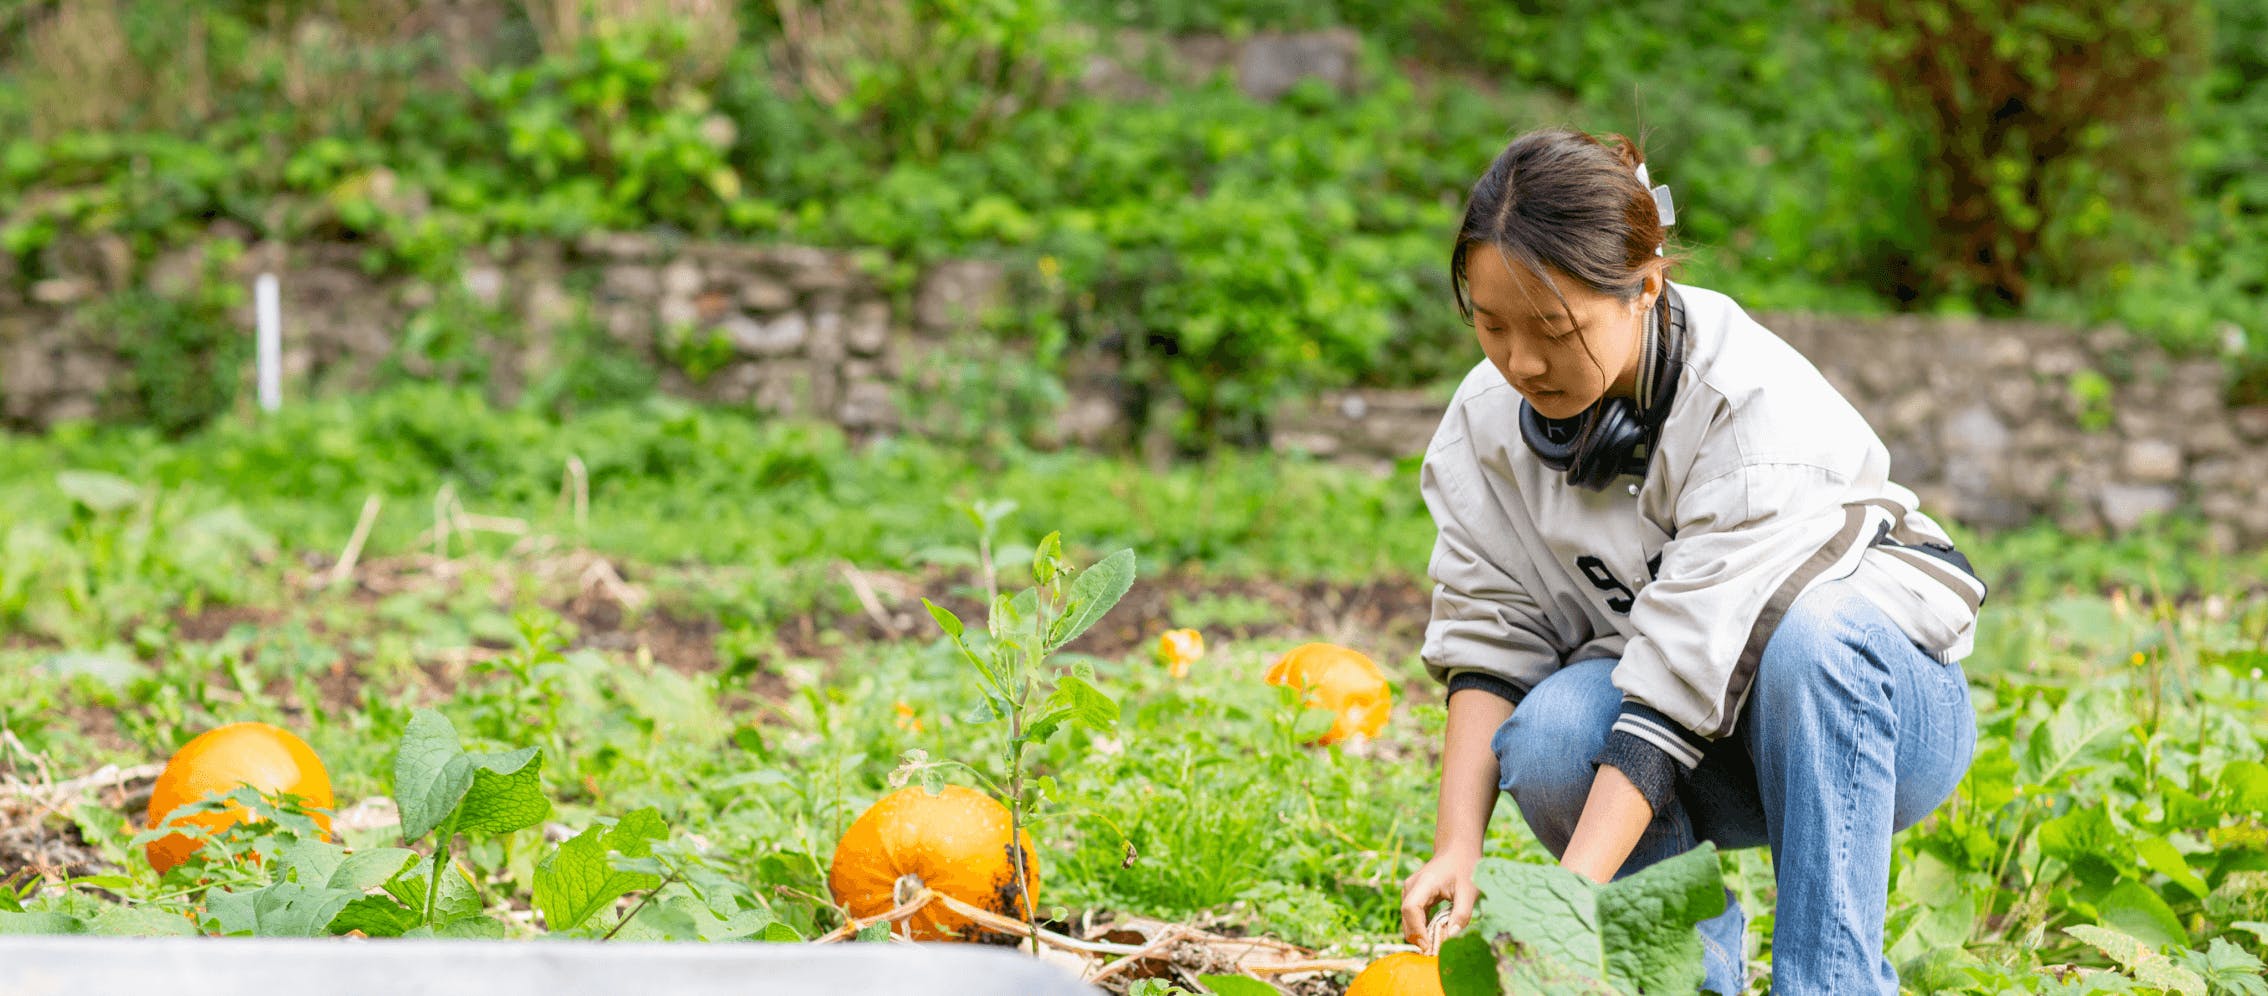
(268, 310)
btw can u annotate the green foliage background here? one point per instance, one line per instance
(1236, 252)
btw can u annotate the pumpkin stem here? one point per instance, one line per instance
(906, 888)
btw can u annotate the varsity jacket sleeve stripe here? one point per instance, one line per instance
(1486, 630)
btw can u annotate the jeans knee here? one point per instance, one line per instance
(1543, 753)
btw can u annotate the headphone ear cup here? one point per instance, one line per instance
(1551, 450)
(1605, 444)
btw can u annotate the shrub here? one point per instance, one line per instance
(2051, 130)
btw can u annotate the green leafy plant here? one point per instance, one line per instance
(1542, 928)
(439, 786)
(1010, 661)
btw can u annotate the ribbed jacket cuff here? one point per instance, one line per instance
(1489, 683)
(1652, 771)
(1651, 751)
(1682, 745)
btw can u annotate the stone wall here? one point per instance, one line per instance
(1992, 423)
(789, 331)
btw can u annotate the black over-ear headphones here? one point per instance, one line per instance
(1615, 436)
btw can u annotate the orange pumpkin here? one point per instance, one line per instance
(264, 757)
(1178, 649)
(1402, 974)
(1341, 680)
(954, 842)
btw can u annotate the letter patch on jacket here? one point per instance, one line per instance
(1619, 596)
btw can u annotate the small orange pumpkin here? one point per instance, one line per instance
(954, 842)
(1344, 681)
(1404, 973)
(264, 757)
(1178, 649)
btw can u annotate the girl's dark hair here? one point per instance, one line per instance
(1565, 200)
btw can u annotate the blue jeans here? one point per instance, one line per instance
(1851, 733)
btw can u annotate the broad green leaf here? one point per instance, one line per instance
(312, 861)
(2137, 910)
(740, 925)
(366, 870)
(1235, 985)
(40, 923)
(1634, 935)
(946, 620)
(459, 897)
(429, 778)
(1094, 592)
(375, 916)
(1468, 967)
(2140, 960)
(780, 933)
(98, 491)
(477, 927)
(2243, 787)
(2160, 855)
(875, 932)
(141, 921)
(2086, 840)
(579, 879)
(283, 909)
(1637, 915)
(506, 792)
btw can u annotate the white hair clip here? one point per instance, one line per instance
(1663, 206)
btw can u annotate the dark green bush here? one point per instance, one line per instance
(2053, 130)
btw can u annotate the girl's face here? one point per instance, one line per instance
(1561, 367)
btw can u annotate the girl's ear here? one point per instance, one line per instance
(1653, 290)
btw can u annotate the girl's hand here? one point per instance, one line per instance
(1446, 877)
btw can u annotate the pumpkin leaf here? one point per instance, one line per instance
(366, 870)
(283, 909)
(497, 792)
(875, 932)
(375, 916)
(1094, 592)
(780, 933)
(506, 792)
(427, 785)
(141, 921)
(578, 880)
